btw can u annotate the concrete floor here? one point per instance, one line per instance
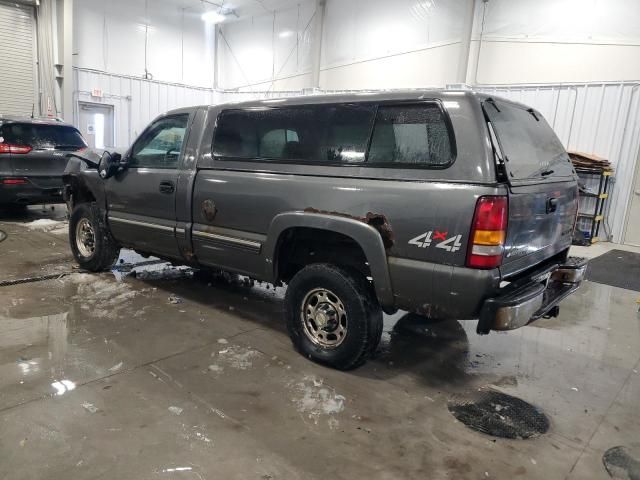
(101, 378)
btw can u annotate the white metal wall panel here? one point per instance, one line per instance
(361, 30)
(255, 50)
(136, 101)
(111, 36)
(589, 21)
(17, 60)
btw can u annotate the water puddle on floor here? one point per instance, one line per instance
(32, 347)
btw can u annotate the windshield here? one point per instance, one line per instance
(529, 147)
(41, 137)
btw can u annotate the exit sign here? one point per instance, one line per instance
(97, 93)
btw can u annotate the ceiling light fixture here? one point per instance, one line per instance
(285, 34)
(212, 17)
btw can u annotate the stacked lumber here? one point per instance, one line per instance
(589, 160)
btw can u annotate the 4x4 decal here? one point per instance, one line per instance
(424, 240)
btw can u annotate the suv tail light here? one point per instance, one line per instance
(13, 181)
(18, 149)
(488, 232)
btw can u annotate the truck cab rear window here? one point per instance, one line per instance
(328, 134)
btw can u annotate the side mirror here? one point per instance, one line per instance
(110, 164)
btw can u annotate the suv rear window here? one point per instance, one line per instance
(528, 145)
(414, 134)
(42, 136)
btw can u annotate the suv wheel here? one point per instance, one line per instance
(333, 316)
(91, 242)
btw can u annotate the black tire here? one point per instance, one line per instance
(105, 251)
(363, 315)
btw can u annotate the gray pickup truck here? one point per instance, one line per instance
(450, 204)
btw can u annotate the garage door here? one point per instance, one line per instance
(17, 59)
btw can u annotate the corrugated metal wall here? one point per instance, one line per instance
(17, 60)
(136, 101)
(602, 118)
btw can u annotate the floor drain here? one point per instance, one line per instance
(620, 464)
(500, 415)
(2, 235)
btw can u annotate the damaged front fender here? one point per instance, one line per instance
(82, 184)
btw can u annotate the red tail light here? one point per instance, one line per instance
(17, 149)
(13, 181)
(488, 232)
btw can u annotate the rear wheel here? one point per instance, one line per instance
(333, 316)
(91, 243)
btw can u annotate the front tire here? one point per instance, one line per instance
(91, 242)
(333, 316)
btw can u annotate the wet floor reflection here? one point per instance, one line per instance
(435, 351)
(93, 323)
(31, 347)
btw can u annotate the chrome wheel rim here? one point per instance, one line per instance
(85, 238)
(324, 318)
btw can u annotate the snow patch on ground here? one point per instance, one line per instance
(316, 400)
(116, 367)
(48, 225)
(175, 410)
(237, 357)
(102, 296)
(90, 407)
(195, 433)
(215, 368)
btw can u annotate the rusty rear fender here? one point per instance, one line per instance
(366, 234)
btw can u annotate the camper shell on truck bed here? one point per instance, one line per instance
(451, 204)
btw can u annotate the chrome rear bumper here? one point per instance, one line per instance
(538, 298)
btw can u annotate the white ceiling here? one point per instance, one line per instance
(243, 8)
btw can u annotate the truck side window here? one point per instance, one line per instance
(274, 142)
(411, 134)
(348, 130)
(307, 134)
(161, 144)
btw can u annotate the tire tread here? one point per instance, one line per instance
(106, 248)
(354, 281)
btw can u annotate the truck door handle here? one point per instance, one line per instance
(552, 205)
(167, 187)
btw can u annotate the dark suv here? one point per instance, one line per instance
(33, 158)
